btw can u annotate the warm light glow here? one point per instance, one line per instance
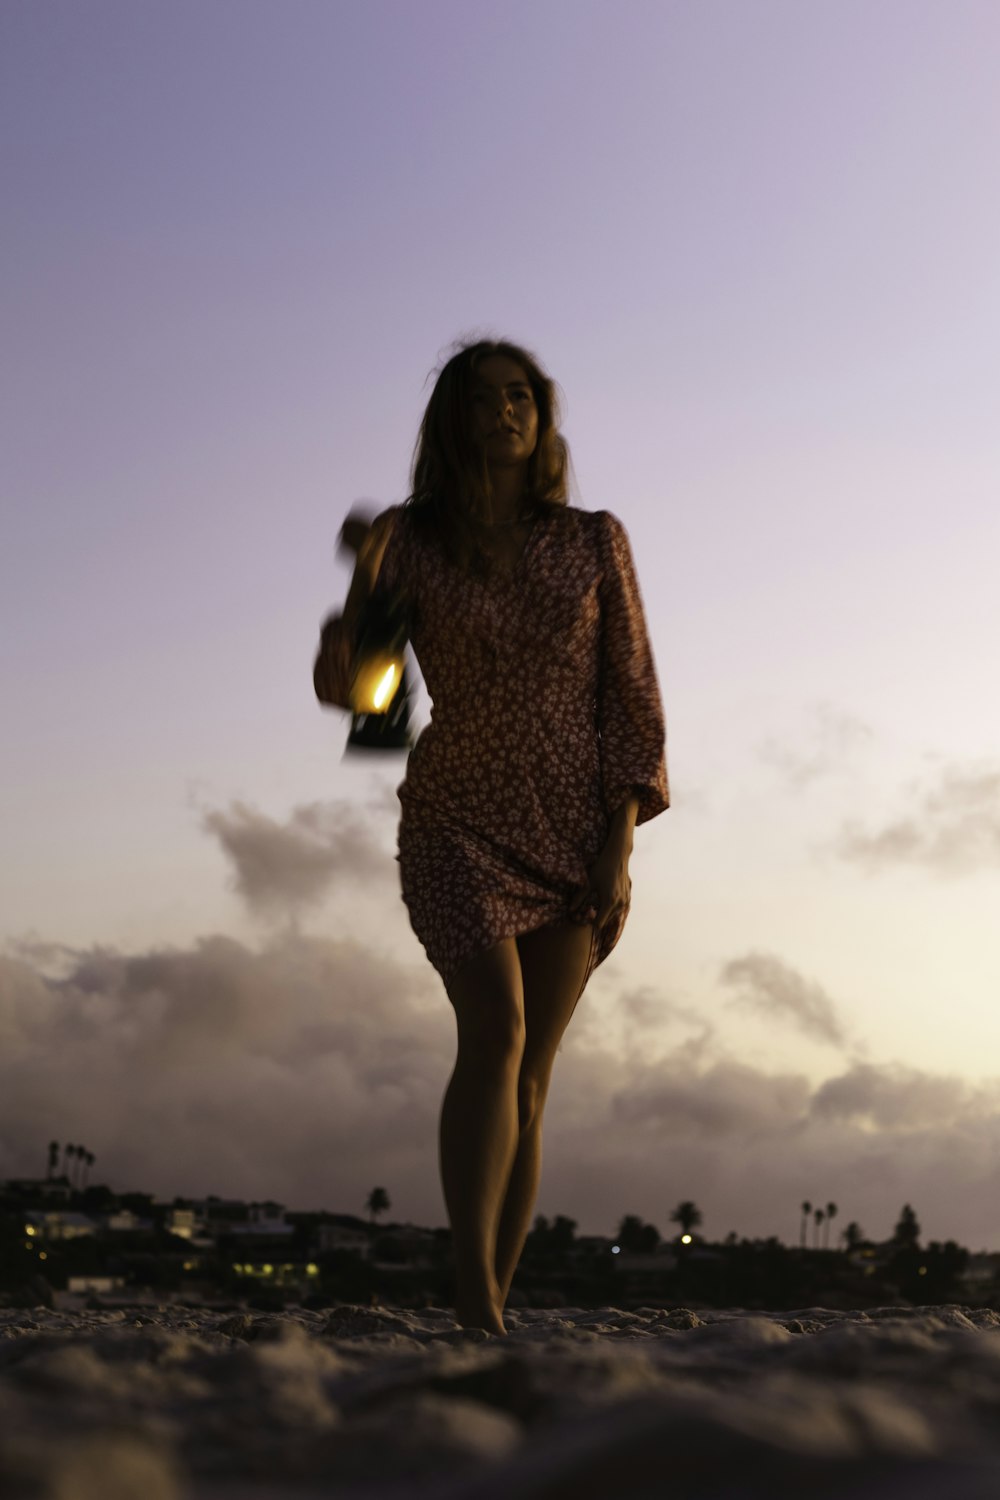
(268, 1270)
(685, 1239)
(30, 1229)
(384, 690)
(922, 1271)
(312, 1270)
(375, 683)
(43, 1255)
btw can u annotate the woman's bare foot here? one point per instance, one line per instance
(483, 1312)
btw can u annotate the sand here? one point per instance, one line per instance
(179, 1403)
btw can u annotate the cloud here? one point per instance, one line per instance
(723, 1100)
(953, 827)
(640, 1133)
(646, 1006)
(832, 738)
(767, 985)
(280, 868)
(309, 1071)
(893, 1097)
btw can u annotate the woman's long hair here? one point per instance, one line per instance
(451, 490)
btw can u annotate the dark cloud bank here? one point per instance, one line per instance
(312, 1070)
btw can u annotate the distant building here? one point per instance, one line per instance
(404, 1244)
(37, 1187)
(57, 1224)
(94, 1283)
(648, 1262)
(343, 1237)
(184, 1222)
(228, 1216)
(591, 1244)
(124, 1221)
(981, 1273)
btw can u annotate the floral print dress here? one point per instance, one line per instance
(546, 714)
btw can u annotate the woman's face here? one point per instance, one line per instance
(504, 415)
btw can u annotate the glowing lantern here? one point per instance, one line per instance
(375, 683)
(380, 691)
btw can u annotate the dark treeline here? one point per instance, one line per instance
(91, 1240)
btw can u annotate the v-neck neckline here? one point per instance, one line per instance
(508, 575)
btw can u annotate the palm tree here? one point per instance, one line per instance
(818, 1217)
(53, 1157)
(378, 1203)
(562, 1233)
(687, 1215)
(831, 1213)
(88, 1161)
(807, 1209)
(907, 1231)
(630, 1236)
(69, 1153)
(852, 1236)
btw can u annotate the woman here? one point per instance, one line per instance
(544, 750)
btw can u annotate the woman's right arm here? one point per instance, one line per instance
(366, 569)
(332, 669)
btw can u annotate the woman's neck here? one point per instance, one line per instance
(508, 493)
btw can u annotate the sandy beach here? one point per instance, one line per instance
(180, 1403)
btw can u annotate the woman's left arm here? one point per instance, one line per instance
(630, 724)
(630, 718)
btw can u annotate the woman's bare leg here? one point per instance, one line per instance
(554, 963)
(479, 1124)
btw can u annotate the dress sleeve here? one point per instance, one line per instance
(333, 669)
(630, 717)
(392, 574)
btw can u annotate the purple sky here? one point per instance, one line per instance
(758, 245)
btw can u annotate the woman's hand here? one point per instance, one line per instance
(607, 889)
(355, 530)
(366, 535)
(333, 667)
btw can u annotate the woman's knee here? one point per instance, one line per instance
(495, 1036)
(488, 1000)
